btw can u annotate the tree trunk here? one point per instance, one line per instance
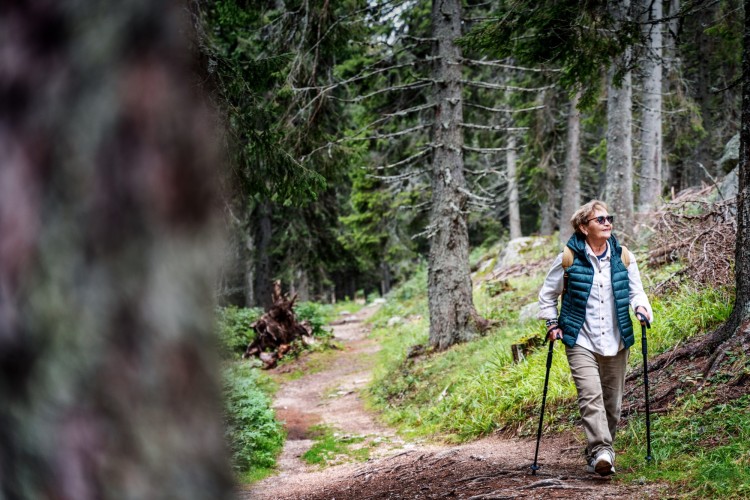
(263, 277)
(385, 280)
(514, 212)
(301, 285)
(702, 157)
(250, 296)
(571, 195)
(651, 134)
(452, 313)
(108, 258)
(742, 251)
(618, 191)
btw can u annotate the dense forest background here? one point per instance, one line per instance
(332, 123)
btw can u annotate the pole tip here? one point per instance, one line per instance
(534, 468)
(649, 458)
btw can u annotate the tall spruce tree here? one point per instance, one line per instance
(650, 180)
(618, 190)
(452, 315)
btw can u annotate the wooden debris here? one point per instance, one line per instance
(525, 346)
(277, 330)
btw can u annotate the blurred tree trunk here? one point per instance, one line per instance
(514, 212)
(108, 257)
(650, 181)
(618, 191)
(571, 194)
(452, 315)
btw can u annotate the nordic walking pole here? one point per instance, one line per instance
(644, 346)
(535, 467)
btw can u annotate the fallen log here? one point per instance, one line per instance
(277, 330)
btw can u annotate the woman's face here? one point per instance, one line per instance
(595, 231)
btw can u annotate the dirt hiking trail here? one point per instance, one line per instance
(490, 468)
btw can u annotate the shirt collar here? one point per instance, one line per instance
(590, 252)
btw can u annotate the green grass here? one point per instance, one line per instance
(331, 447)
(703, 447)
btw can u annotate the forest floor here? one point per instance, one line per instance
(489, 468)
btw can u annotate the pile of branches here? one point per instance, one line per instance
(701, 234)
(278, 331)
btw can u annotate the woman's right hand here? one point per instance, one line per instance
(554, 333)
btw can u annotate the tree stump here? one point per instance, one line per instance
(277, 330)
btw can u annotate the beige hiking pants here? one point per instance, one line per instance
(600, 381)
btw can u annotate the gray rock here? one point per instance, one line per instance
(731, 155)
(511, 254)
(395, 320)
(729, 185)
(528, 312)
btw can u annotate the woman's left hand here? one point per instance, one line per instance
(644, 311)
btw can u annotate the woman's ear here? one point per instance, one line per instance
(583, 230)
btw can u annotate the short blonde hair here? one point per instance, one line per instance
(583, 214)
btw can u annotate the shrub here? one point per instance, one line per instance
(235, 330)
(316, 315)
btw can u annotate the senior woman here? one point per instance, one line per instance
(594, 324)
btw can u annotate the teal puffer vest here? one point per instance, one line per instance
(580, 280)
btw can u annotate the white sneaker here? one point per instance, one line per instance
(603, 464)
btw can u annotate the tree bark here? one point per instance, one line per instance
(742, 249)
(301, 285)
(109, 255)
(385, 278)
(263, 282)
(650, 181)
(571, 195)
(452, 313)
(618, 191)
(514, 212)
(702, 154)
(249, 268)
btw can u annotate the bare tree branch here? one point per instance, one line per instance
(504, 110)
(498, 64)
(497, 86)
(493, 127)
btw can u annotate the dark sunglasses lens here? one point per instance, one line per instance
(602, 218)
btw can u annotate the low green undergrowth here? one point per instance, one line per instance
(254, 435)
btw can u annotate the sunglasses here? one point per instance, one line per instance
(602, 218)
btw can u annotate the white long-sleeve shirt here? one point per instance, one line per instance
(600, 332)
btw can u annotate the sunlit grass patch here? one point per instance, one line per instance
(332, 447)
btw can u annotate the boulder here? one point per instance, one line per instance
(528, 312)
(731, 156)
(512, 252)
